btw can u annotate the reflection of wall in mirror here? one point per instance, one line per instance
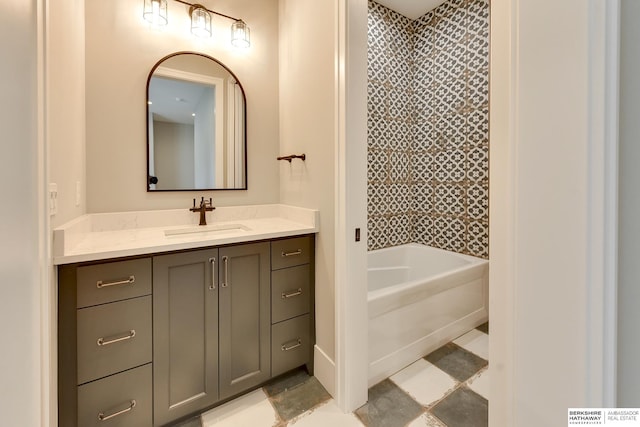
(235, 136)
(174, 145)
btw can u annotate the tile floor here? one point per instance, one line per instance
(447, 388)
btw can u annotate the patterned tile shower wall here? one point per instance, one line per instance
(390, 123)
(428, 118)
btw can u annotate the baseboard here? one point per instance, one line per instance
(324, 369)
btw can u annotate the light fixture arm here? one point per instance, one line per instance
(194, 6)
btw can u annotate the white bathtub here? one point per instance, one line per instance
(420, 298)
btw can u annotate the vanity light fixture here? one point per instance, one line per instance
(240, 34)
(200, 21)
(155, 11)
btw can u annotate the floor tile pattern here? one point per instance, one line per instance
(460, 409)
(456, 361)
(388, 405)
(425, 394)
(413, 378)
(295, 401)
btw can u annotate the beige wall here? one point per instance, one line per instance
(548, 218)
(307, 113)
(65, 98)
(21, 218)
(121, 49)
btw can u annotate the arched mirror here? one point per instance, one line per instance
(196, 125)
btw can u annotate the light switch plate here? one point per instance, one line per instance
(53, 198)
(78, 193)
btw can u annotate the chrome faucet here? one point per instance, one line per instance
(205, 206)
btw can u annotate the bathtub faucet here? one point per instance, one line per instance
(205, 206)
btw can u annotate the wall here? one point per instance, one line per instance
(546, 189)
(307, 111)
(450, 162)
(204, 132)
(66, 107)
(629, 210)
(389, 137)
(21, 213)
(428, 127)
(174, 145)
(351, 363)
(65, 156)
(121, 49)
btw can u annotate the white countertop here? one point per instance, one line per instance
(94, 237)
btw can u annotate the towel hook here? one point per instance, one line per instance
(293, 156)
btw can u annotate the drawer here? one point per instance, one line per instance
(110, 401)
(290, 252)
(113, 281)
(113, 337)
(290, 292)
(290, 344)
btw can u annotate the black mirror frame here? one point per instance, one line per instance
(244, 97)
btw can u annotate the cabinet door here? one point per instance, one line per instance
(245, 318)
(185, 333)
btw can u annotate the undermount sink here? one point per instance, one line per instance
(209, 229)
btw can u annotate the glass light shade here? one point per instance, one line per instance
(155, 12)
(240, 35)
(200, 21)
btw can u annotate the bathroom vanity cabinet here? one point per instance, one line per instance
(145, 341)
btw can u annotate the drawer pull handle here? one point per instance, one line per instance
(292, 294)
(289, 346)
(294, 253)
(103, 417)
(100, 284)
(101, 341)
